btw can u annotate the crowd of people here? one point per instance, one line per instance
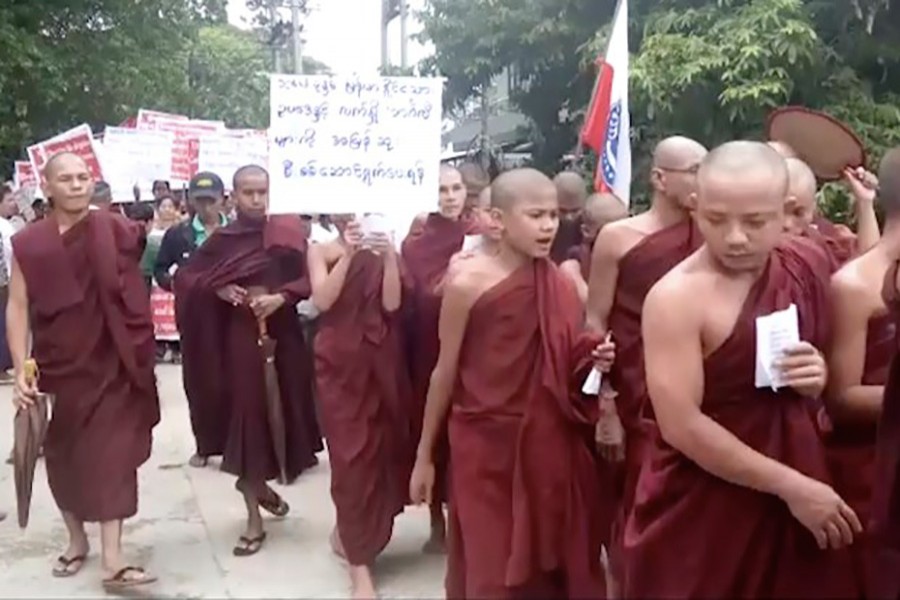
(449, 369)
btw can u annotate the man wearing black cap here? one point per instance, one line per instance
(206, 194)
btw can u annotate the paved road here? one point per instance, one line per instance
(188, 522)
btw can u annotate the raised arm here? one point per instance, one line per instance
(391, 286)
(863, 186)
(847, 398)
(326, 285)
(602, 281)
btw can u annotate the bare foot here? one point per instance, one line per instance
(362, 586)
(336, 545)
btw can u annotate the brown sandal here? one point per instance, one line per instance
(249, 546)
(68, 567)
(275, 505)
(121, 580)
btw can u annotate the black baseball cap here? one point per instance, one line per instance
(206, 185)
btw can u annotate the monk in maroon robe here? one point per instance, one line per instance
(884, 524)
(251, 274)
(364, 394)
(802, 215)
(77, 290)
(426, 255)
(523, 489)
(572, 194)
(734, 497)
(599, 211)
(629, 256)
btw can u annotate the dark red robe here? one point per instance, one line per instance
(639, 270)
(884, 524)
(693, 535)
(365, 401)
(94, 345)
(270, 254)
(838, 241)
(582, 253)
(426, 255)
(523, 486)
(568, 236)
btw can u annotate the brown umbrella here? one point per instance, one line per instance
(274, 407)
(30, 427)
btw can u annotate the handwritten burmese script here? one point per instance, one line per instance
(354, 144)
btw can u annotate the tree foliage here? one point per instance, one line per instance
(711, 69)
(99, 61)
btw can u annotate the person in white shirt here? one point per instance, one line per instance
(8, 209)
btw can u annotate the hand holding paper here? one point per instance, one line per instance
(803, 368)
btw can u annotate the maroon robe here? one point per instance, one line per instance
(582, 254)
(694, 535)
(639, 270)
(426, 256)
(365, 402)
(884, 525)
(93, 342)
(523, 487)
(568, 237)
(253, 253)
(838, 241)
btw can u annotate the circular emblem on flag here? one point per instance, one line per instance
(611, 146)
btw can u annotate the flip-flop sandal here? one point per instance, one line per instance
(122, 581)
(249, 546)
(68, 567)
(275, 505)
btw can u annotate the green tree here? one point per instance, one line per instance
(712, 69)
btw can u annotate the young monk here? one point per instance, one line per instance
(599, 211)
(629, 256)
(426, 254)
(246, 281)
(522, 482)
(572, 193)
(863, 403)
(735, 494)
(802, 216)
(364, 395)
(77, 294)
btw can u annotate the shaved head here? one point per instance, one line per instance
(678, 152)
(247, 171)
(526, 211)
(605, 208)
(484, 198)
(782, 148)
(513, 186)
(571, 190)
(673, 175)
(63, 158)
(740, 206)
(800, 200)
(889, 182)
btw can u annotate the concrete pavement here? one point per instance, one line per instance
(189, 520)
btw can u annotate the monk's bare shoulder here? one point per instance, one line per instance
(857, 285)
(328, 252)
(617, 238)
(469, 278)
(676, 292)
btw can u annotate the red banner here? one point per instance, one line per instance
(24, 174)
(162, 303)
(187, 135)
(78, 140)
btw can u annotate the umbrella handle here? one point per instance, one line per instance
(263, 328)
(32, 373)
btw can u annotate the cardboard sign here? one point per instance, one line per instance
(185, 147)
(78, 140)
(135, 157)
(226, 152)
(353, 144)
(24, 174)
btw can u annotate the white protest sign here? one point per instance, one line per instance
(354, 144)
(224, 153)
(134, 156)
